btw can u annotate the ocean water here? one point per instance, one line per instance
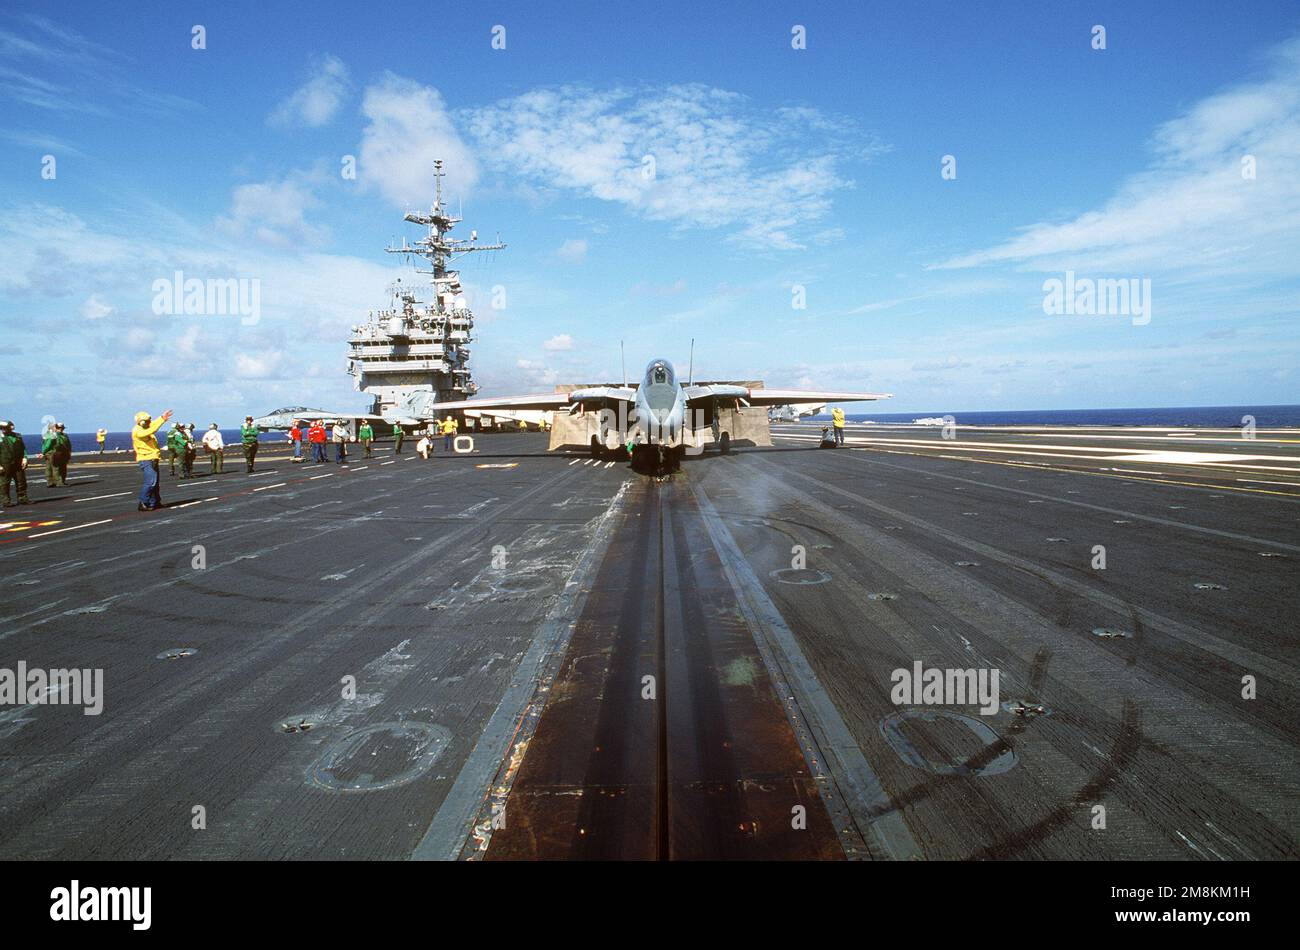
(1214, 417)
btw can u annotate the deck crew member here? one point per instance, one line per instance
(62, 452)
(424, 448)
(837, 421)
(191, 450)
(175, 447)
(216, 447)
(101, 436)
(248, 435)
(147, 454)
(448, 432)
(398, 435)
(316, 438)
(367, 437)
(13, 464)
(339, 435)
(295, 436)
(57, 451)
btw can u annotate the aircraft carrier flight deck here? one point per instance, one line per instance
(520, 654)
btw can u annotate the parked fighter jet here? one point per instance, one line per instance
(794, 411)
(286, 417)
(661, 420)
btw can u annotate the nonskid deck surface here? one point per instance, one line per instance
(393, 657)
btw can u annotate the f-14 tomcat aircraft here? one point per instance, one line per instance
(289, 415)
(661, 420)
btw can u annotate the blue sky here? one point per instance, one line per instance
(775, 168)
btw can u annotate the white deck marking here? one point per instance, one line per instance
(267, 487)
(1075, 452)
(117, 494)
(89, 524)
(312, 478)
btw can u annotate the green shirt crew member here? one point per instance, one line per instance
(57, 450)
(398, 434)
(13, 464)
(175, 446)
(248, 435)
(48, 445)
(366, 435)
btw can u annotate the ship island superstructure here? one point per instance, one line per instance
(414, 355)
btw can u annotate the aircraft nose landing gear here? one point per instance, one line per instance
(657, 460)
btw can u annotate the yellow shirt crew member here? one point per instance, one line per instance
(147, 456)
(142, 436)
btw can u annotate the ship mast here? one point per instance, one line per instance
(414, 357)
(437, 247)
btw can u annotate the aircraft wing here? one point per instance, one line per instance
(548, 400)
(783, 397)
(712, 390)
(598, 393)
(775, 397)
(542, 401)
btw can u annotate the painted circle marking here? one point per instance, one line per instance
(380, 756)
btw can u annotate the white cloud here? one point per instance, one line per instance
(317, 100)
(573, 251)
(273, 212)
(308, 302)
(138, 341)
(38, 140)
(94, 308)
(557, 343)
(1192, 209)
(52, 67)
(646, 289)
(408, 129)
(718, 160)
(264, 365)
(537, 374)
(940, 366)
